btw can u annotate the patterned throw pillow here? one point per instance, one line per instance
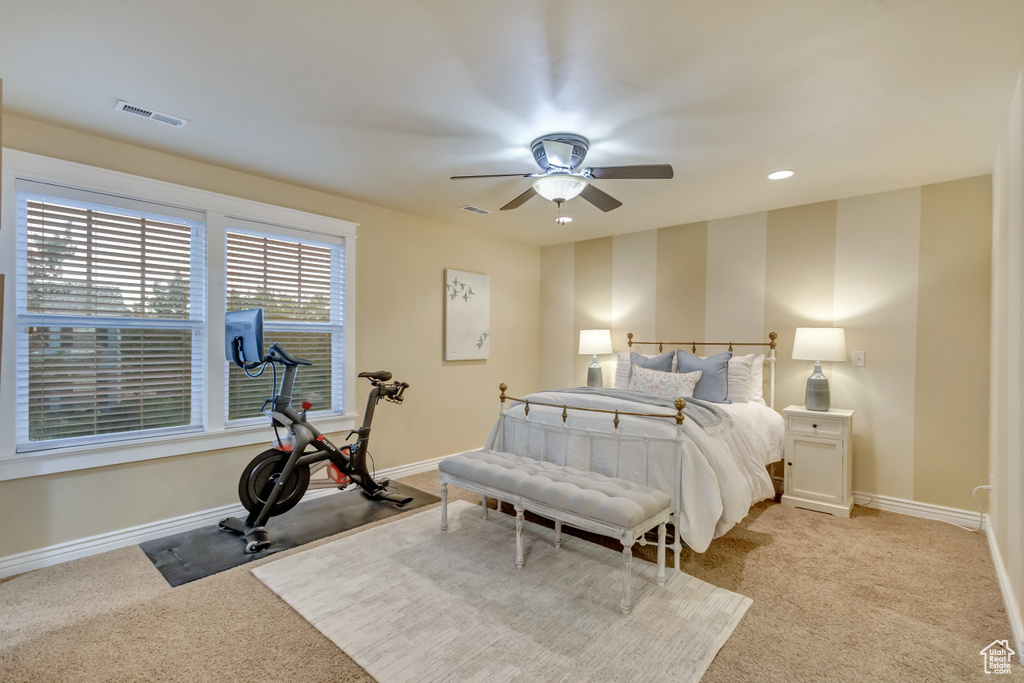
(664, 384)
(666, 362)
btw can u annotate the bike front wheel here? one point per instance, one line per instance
(260, 475)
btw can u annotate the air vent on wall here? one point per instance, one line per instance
(150, 114)
(475, 209)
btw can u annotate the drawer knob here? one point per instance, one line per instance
(790, 464)
(814, 426)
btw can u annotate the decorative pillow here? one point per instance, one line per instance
(757, 380)
(665, 384)
(714, 383)
(663, 363)
(739, 378)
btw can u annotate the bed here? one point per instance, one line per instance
(711, 457)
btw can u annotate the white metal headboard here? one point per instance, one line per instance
(769, 357)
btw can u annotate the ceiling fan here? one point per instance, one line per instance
(560, 156)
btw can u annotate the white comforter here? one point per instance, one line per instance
(722, 473)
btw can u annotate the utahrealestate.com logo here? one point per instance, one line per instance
(997, 657)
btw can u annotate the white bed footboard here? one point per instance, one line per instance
(541, 432)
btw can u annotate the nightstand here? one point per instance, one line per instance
(819, 455)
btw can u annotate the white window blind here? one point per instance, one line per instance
(299, 283)
(111, 309)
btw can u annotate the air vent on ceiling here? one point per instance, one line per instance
(475, 209)
(150, 114)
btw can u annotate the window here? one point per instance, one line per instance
(299, 283)
(111, 311)
(113, 336)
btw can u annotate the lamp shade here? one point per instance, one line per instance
(559, 187)
(593, 342)
(819, 343)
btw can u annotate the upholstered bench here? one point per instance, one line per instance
(586, 500)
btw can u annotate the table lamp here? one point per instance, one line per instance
(595, 342)
(819, 344)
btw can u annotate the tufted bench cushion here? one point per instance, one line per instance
(587, 500)
(587, 494)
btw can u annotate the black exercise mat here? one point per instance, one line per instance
(202, 552)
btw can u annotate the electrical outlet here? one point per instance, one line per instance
(858, 359)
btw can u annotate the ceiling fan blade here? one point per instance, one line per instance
(558, 153)
(638, 172)
(601, 200)
(520, 200)
(493, 175)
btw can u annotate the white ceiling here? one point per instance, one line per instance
(383, 101)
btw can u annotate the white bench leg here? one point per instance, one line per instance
(660, 576)
(558, 533)
(627, 562)
(520, 520)
(483, 507)
(444, 506)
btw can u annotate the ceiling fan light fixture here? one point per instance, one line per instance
(562, 220)
(781, 174)
(560, 187)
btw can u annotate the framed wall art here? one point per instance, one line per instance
(467, 315)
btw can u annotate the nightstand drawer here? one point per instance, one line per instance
(815, 426)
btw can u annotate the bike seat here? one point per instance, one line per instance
(380, 375)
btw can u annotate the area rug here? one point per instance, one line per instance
(409, 603)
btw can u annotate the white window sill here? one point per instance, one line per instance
(38, 463)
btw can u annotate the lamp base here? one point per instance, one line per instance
(817, 396)
(594, 376)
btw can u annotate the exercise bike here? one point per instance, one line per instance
(276, 479)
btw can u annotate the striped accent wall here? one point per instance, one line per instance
(906, 273)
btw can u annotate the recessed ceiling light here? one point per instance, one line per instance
(562, 220)
(781, 174)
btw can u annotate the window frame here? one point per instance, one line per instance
(220, 211)
(27, 191)
(337, 312)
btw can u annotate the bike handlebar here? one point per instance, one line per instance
(285, 357)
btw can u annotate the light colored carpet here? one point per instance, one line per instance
(410, 603)
(877, 597)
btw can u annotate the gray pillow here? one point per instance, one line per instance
(714, 382)
(662, 363)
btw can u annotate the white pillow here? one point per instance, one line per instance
(757, 380)
(622, 368)
(739, 378)
(665, 384)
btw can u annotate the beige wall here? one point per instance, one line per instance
(681, 277)
(951, 317)
(1006, 458)
(895, 269)
(592, 295)
(556, 284)
(876, 271)
(400, 262)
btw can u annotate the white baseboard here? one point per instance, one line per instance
(83, 547)
(1006, 588)
(913, 508)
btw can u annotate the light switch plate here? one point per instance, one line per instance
(858, 359)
